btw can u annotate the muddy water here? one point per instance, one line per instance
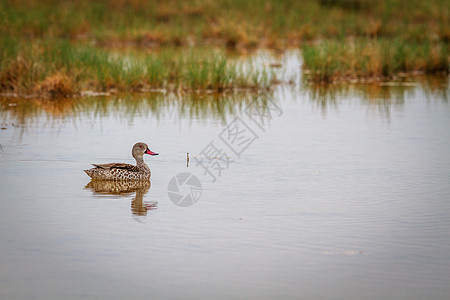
(300, 193)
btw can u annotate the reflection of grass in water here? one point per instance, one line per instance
(59, 68)
(128, 106)
(217, 106)
(381, 96)
(432, 86)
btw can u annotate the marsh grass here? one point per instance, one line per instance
(232, 23)
(373, 60)
(74, 42)
(58, 68)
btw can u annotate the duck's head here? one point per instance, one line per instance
(139, 149)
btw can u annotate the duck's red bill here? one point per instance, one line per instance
(150, 152)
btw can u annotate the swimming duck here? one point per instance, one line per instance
(121, 171)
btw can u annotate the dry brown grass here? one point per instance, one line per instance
(58, 85)
(10, 77)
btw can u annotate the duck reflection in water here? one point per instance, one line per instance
(139, 207)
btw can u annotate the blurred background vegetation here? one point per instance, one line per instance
(62, 47)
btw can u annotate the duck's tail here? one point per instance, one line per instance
(89, 173)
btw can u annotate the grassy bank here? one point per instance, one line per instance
(60, 69)
(373, 60)
(52, 47)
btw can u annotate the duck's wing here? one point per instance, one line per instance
(115, 166)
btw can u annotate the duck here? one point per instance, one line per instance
(121, 171)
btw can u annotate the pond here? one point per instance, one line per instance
(299, 193)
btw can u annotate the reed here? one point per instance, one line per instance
(75, 42)
(61, 68)
(373, 59)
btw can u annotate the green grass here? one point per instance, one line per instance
(373, 59)
(228, 22)
(45, 67)
(58, 46)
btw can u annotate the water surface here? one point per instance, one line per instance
(342, 194)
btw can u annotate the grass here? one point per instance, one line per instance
(235, 23)
(373, 60)
(60, 69)
(52, 47)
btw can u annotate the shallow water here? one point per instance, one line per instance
(316, 195)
